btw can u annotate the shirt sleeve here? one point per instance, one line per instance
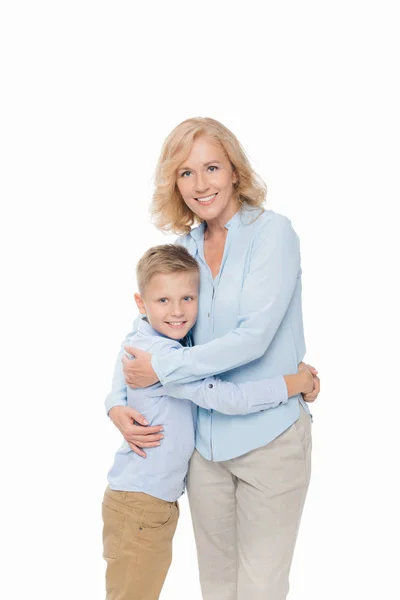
(265, 297)
(160, 346)
(117, 395)
(231, 398)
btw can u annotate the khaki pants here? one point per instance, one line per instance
(246, 512)
(137, 537)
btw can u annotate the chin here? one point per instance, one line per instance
(176, 335)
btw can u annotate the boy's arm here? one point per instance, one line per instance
(241, 398)
(124, 417)
(117, 395)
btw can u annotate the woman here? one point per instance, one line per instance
(249, 475)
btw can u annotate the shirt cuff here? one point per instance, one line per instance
(111, 405)
(278, 393)
(281, 390)
(157, 369)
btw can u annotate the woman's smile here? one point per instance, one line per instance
(207, 200)
(206, 182)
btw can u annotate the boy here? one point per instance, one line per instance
(140, 508)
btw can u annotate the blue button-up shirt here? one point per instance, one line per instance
(162, 473)
(249, 327)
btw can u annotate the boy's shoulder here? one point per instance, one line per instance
(147, 339)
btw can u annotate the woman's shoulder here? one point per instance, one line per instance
(187, 240)
(183, 240)
(266, 221)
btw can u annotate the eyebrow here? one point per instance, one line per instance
(211, 162)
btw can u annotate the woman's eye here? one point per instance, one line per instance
(185, 174)
(213, 168)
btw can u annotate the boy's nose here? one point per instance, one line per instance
(177, 311)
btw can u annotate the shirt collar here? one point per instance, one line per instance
(197, 233)
(243, 216)
(145, 328)
(234, 221)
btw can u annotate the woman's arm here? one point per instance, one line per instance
(264, 300)
(213, 393)
(241, 398)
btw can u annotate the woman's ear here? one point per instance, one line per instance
(140, 304)
(235, 177)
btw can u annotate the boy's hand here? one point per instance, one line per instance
(137, 436)
(138, 373)
(312, 395)
(307, 381)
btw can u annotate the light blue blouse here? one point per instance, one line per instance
(249, 328)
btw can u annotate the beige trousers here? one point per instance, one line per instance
(137, 539)
(246, 512)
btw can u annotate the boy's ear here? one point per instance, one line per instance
(140, 304)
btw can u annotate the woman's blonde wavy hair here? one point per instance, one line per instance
(169, 211)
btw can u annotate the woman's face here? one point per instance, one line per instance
(205, 180)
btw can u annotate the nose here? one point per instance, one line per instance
(177, 310)
(201, 184)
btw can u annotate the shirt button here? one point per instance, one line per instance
(210, 385)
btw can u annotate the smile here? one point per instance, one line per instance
(206, 199)
(176, 324)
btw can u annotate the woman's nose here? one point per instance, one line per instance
(201, 184)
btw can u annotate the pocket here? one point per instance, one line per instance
(303, 430)
(113, 528)
(157, 516)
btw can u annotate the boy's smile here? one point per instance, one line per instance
(170, 303)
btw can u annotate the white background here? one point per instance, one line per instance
(89, 92)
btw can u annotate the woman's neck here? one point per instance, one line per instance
(215, 228)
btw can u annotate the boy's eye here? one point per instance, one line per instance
(163, 300)
(188, 298)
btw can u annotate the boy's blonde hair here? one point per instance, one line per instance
(169, 211)
(167, 258)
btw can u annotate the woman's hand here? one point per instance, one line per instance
(138, 373)
(137, 436)
(311, 396)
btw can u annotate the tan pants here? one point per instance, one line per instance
(246, 513)
(137, 537)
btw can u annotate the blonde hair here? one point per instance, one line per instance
(169, 211)
(168, 258)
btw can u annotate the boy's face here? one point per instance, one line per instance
(170, 302)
